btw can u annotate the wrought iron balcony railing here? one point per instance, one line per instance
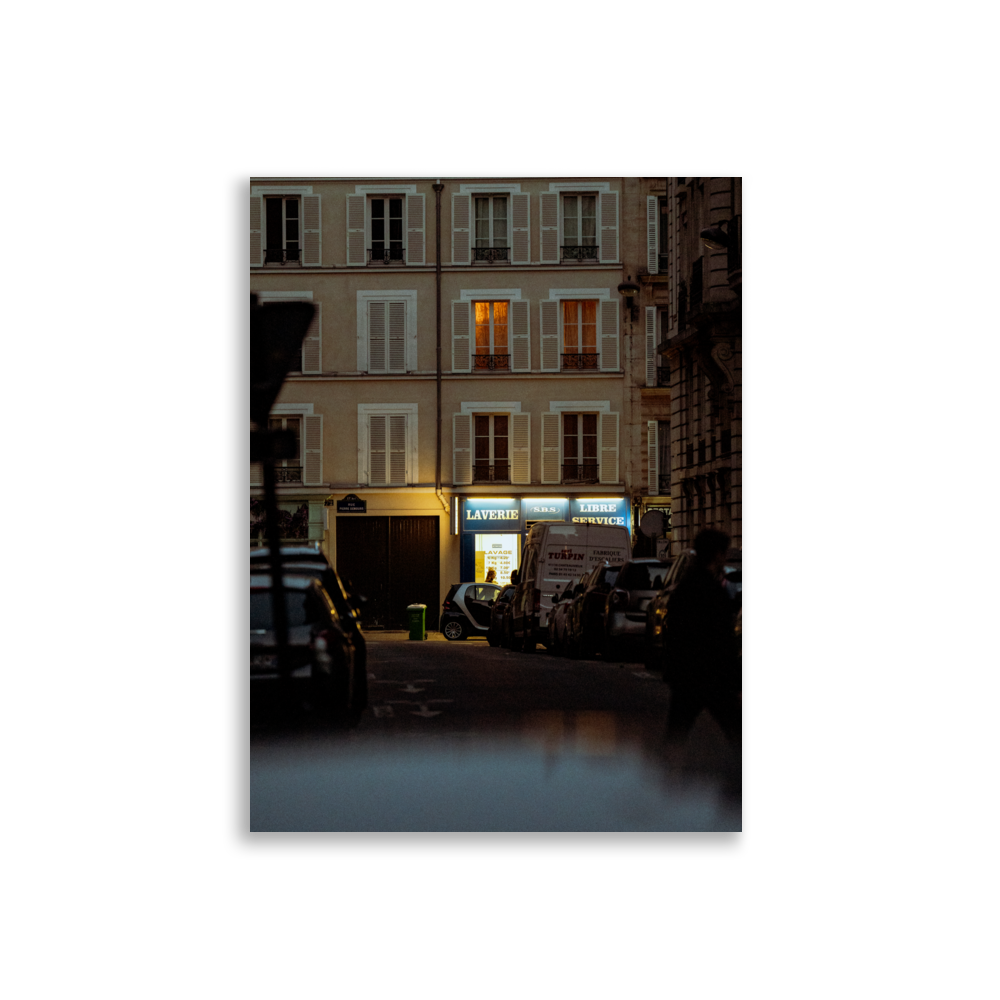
(580, 253)
(664, 484)
(276, 255)
(492, 362)
(392, 255)
(288, 474)
(498, 472)
(579, 361)
(580, 472)
(490, 254)
(663, 375)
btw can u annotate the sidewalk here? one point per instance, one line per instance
(398, 635)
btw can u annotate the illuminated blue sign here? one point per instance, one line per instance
(550, 509)
(491, 515)
(614, 510)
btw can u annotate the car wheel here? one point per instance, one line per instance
(454, 630)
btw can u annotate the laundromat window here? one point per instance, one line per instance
(498, 552)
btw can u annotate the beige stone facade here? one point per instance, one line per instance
(545, 401)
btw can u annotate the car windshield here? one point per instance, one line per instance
(639, 576)
(297, 602)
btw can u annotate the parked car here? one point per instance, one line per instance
(554, 555)
(466, 610)
(623, 627)
(323, 666)
(498, 615)
(559, 617)
(585, 626)
(310, 560)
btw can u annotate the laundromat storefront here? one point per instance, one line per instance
(493, 529)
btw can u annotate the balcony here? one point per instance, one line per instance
(580, 253)
(288, 474)
(483, 472)
(578, 362)
(580, 472)
(393, 255)
(491, 362)
(490, 255)
(664, 484)
(663, 376)
(277, 255)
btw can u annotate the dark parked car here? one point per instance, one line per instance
(498, 616)
(585, 625)
(466, 610)
(559, 617)
(624, 619)
(322, 662)
(310, 560)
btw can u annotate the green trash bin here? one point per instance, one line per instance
(417, 614)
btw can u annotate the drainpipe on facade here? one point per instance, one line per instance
(438, 188)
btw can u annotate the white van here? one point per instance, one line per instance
(555, 555)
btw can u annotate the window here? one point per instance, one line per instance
(580, 462)
(579, 227)
(663, 442)
(492, 461)
(491, 233)
(386, 229)
(664, 236)
(492, 344)
(288, 470)
(579, 334)
(386, 332)
(282, 236)
(387, 444)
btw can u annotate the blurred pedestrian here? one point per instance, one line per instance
(491, 575)
(702, 663)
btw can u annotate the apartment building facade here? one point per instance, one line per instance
(447, 401)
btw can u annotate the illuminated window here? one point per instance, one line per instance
(492, 344)
(579, 334)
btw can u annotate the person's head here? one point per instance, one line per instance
(711, 547)
(491, 575)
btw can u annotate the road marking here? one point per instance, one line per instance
(383, 711)
(410, 689)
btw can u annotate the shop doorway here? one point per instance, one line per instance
(499, 552)
(393, 562)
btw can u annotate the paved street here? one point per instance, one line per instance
(463, 737)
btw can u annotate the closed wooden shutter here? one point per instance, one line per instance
(652, 234)
(548, 314)
(312, 359)
(377, 459)
(462, 454)
(551, 473)
(549, 227)
(609, 334)
(461, 224)
(653, 457)
(312, 446)
(397, 449)
(256, 233)
(609, 226)
(609, 448)
(376, 337)
(256, 474)
(520, 229)
(461, 326)
(650, 345)
(397, 336)
(356, 254)
(415, 229)
(520, 337)
(317, 520)
(520, 466)
(312, 231)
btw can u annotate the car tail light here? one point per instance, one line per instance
(450, 606)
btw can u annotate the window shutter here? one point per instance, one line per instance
(548, 313)
(461, 215)
(397, 449)
(520, 229)
(609, 335)
(376, 337)
(609, 448)
(549, 223)
(397, 336)
(355, 229)
(651, 345)
(462, 455)
(256, 474)
(520, 337)
(312, 445)
(376, 450)
(312, 363)
(461, 324)
(550, 448)
(520, 466)
(653, 453)
(317, 519)
(312, 231)
(652, 234)
(415, 229)
(256, 234)
(609, 226)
